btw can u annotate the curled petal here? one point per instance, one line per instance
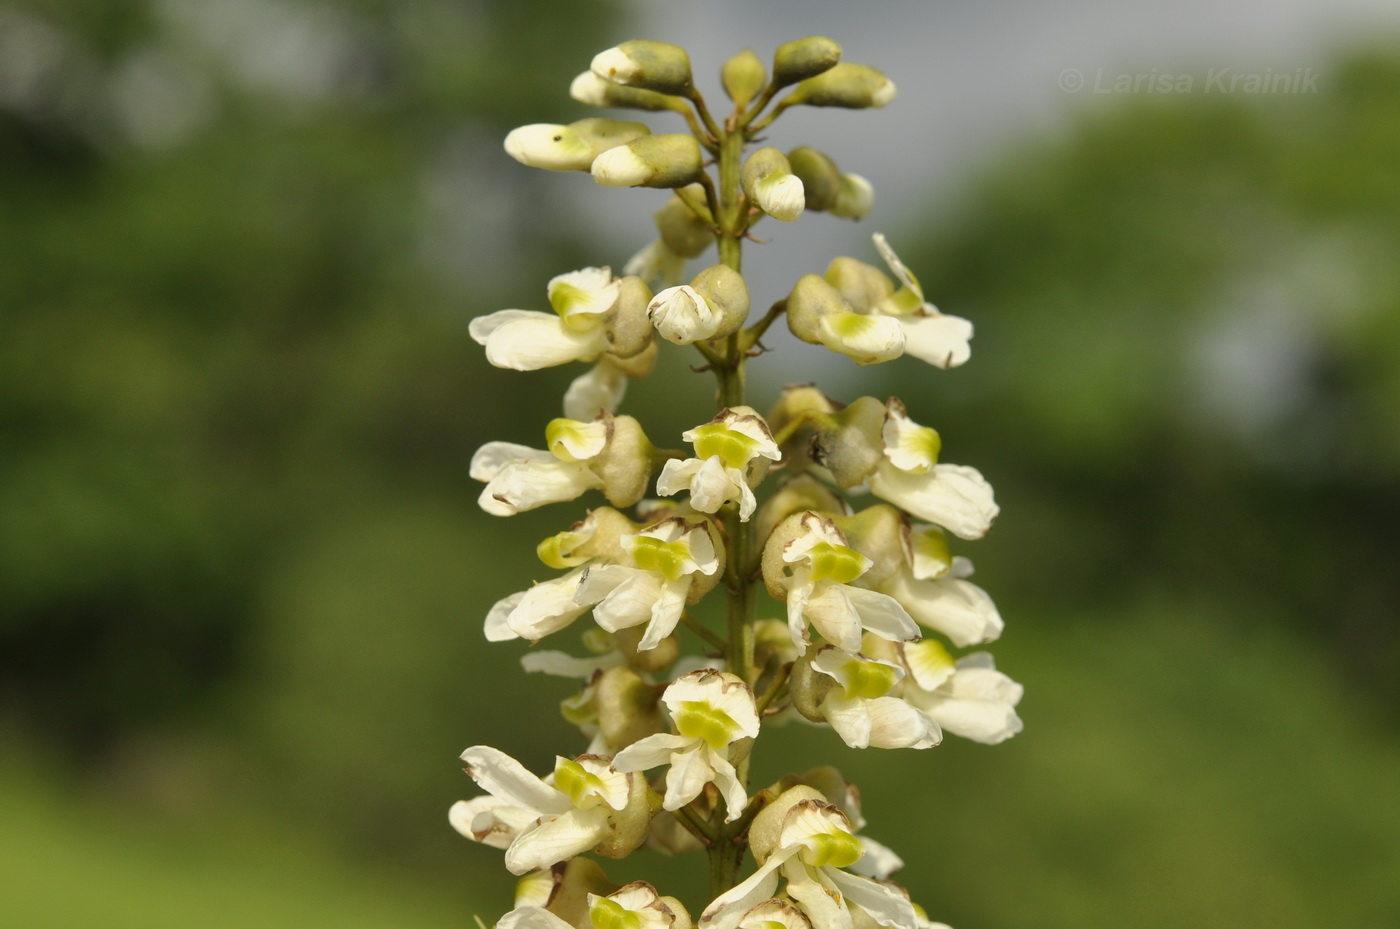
(525, 485)
(865, 339)
(507, 779)
(955, 497)
(558, 839)
(886, 906)
(490, 821)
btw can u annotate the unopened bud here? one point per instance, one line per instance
(629, 330)
(812, 299)
(652, 659)
(846, 85)
(628, 707)
(657, 66)
(768, 181)
(638, 365)
(670, 160)
(851, 442)
(800, 493)
(724, 289)
(572, 147)
(821, 179)
(804, 58)
(863, 285)
(591, 89)
(856, 198)
(807, 687)
(625, 464)
(743, 77)
(880, 533)
(681, 230)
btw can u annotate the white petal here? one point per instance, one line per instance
(878, 861)
(494, 456)
(681, 315)
(529, 341)
(850, 718)
(885, 905)
(621, 167)
(908, 445)
(897, 267)
(630, 603)
(940, 340)
(955, 497)
(978, 703)
(549, 146)
(781, 197)
(712, 486)
(882, 615)
(650, 752)
(482, 326)
(929, 663)
(601, 389)
(556, 840)
(721, 691)
(525, 485)
(725, 911)
(676, 475)
(614, 786)
(599, 580)
(531, 917)
(823, 908)
(727, 780)
(502, 776)
(959, 609)
(835, 616)
(588, 292)
(547, 607)
(562, 664)
(665, 613)
(690, 772)
(490, 820)
(497, 630)
(865, 339)
(896, 724)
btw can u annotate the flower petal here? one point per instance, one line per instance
(502, 776)
(650, 752)
(959, 609)
(886, 906)
(725, 911)
(690, 772)
(600, 390)
(882, 615)
(955, 497)
(526, 485)
(528, 340)
(490, 820)
(531, 917)
(940, 340)
(555, 840)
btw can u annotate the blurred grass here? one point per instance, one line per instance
(70, 862)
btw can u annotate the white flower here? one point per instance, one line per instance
(525, 340)
(726, 446)
(681, 315)
(665, 558)
(955, 497)
(819, 590)
(710, 710)
(633, 906)
(539, 823)
(814, 845)
(969, 698)
(598, 391)
(948, 603)
(520, 478)
(865, 711)
(930, 336)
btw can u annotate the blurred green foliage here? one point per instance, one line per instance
(241, 565)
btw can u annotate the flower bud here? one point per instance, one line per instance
(856, 198)
(670, 160)
(628, 708)
(804, 58)
(743, 77)
(847, 85)
(572, 147)
(776, 571)
(629, 330)
(681, 230)
(724, 289)
(768, 825)
(880, 533)
(850, 443)
(682, 316)
(640, 364)
(592, 90)
(768, 181)
(812, 299)
(646, 660)
(807, 687)
(625, 464)
(657, 66)
(821, 179)
(863, 286)
(797, 494)
(567, 886)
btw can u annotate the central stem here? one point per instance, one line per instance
(727, 854)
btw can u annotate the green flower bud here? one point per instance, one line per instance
(638, 365)
(648, 660)
(821, 179)
(777, 572)
(769, 183)
(804, 58)
(856, 198)
(743, 77)
(626, 462)
(807, 687)
(847, 85)
(725, 291)
(880, 533)
(850, 443)
(768, 825)
(657, 66)
(797, 495)
(811, 299)
(629, 330)
(591, 89)
(570, 883)
(628, 708)
(670, 160)
(863, 286)
(681, 230)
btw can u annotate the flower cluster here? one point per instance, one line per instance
(868, 600)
